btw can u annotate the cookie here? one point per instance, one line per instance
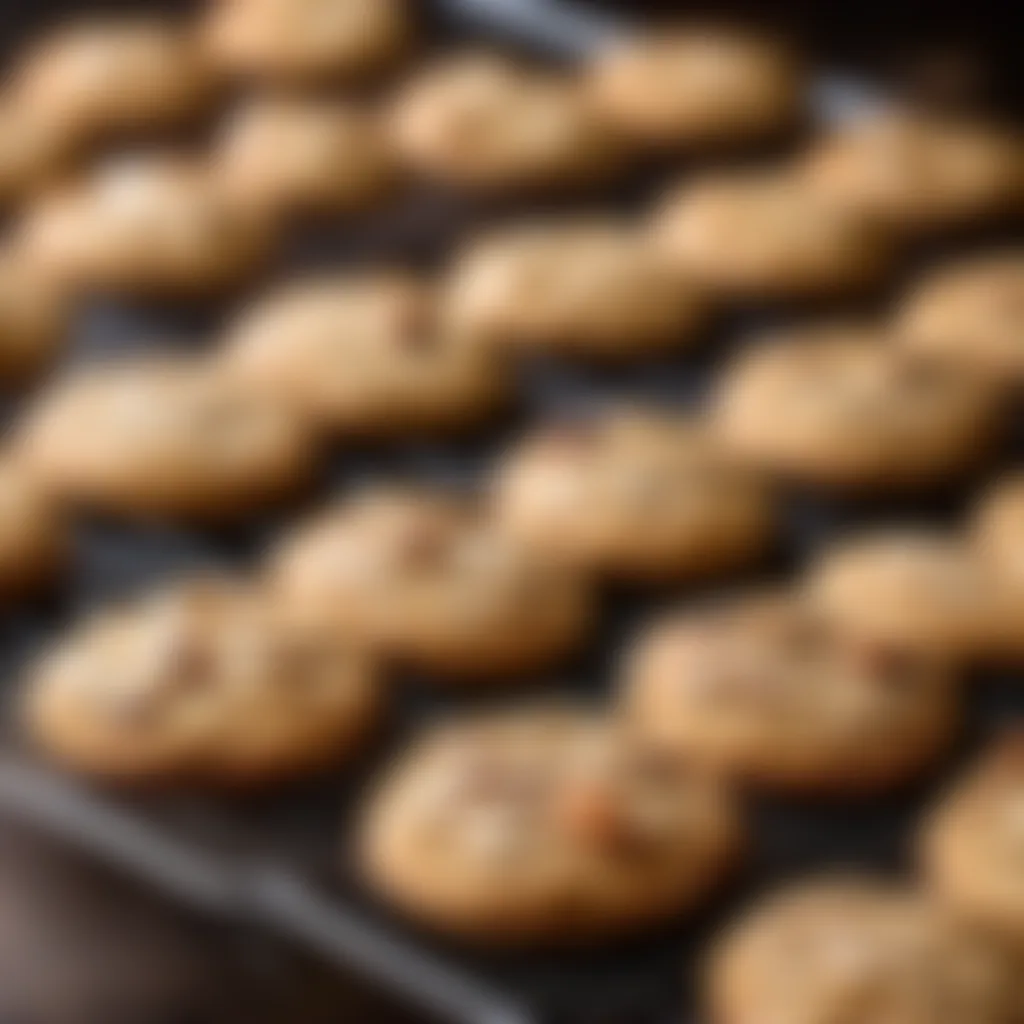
(425, 577)
(970, 313)
(34, 319)
(484, 122)
(155, 225)
(915, 588)
(642, 496)
(365, 356)
(542, 826)
(34, 540)
(699, 86)
(851, 948)
(581, 288)
(841, 406)
(305, 156)
(767, 689)
(204, 683)
(99, 78)
(306, 41)
(162, 438)
(762, 235)
(973, 842)
(915, 172)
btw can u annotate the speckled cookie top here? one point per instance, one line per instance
(205, 680)
(634, 491)
(544, 822)
(844, 948)
(769, 688)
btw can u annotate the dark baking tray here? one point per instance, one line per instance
(276, 861)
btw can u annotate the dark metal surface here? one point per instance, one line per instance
(276, 861)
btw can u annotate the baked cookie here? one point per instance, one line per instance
(305, 156)
(34, 541)
(542, 826)
(96, 78)
(34, 319)
(841, 406)
(698, 86)
(365, 356)
(973, 843)
(586, 288)
(856, 949)
(426, 578)
(768, 689)
(640, 495)
(915, 588)
(204, 683)
(483, 122)
(972, 314)
(303, 41)
(162, 438)
(763, 236)
(917, 173)
(153, 225)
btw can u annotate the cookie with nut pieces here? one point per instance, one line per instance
(639, 495)
(695, 86)
(425, 577)
(841, 406)
(162, 438)
(365, 356)
(484, 122)
(763, 236)
(204, 683)
(591, 289)
(845, 946)
(543, 826)
(767, 689)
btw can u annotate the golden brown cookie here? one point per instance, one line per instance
(103, 77)
(305, 156)
(162, 438)
(425, 577)
(484, 122)
(973, 843)
(643, 496)
(588, 288)
(306, 41)
(765, 235)
(915, 588)
(698, 86)
(842, 406)
(916, 172)
(768, 689)
(365, 356)
(34, 539)
(970, 313)
(852, 949)
(204, 683)
(542, 826)
(34, 319)
(155, 225)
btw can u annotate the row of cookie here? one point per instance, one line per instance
(107, 78)
(553, 824)
(790, 689)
